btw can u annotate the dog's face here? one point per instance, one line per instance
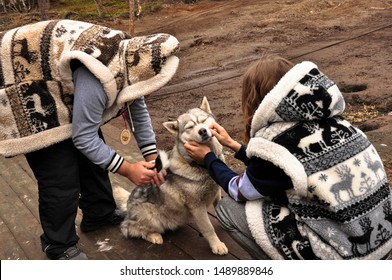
(193, 125)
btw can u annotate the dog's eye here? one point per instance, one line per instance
(202, 119)
(189, 125)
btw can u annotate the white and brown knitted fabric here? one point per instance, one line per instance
(36, 88)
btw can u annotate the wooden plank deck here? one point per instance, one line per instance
(20, 226)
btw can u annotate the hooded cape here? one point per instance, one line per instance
(340, 206)
(36, 88)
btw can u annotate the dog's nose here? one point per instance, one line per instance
(202, 131)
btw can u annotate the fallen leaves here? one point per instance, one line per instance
(365, 113)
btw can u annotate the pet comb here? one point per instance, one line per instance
(158, 163)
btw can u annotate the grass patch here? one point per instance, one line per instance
(81, 7)
(111, 8)
(79, 10)
(151, 6)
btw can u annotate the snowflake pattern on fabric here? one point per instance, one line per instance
(346, 210)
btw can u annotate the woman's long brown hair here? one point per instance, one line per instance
(259, 80)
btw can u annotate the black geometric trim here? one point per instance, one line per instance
(335, 155)
(1, 67)
(307, 211)
(45, 51)
(156, 54)
(287, 111)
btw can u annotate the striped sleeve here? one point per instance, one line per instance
(140, 121)
(115, 163)
(148, 149)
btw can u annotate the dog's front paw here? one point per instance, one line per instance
(219, 248)
(154, 238)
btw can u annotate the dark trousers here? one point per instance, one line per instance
(66, 180)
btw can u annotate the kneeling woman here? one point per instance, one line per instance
(314, 186)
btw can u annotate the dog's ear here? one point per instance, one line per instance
(171, 126)
(205, 106)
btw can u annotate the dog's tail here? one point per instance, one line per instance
(121, 196)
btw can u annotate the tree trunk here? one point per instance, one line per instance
(43, 8)
(132, 17)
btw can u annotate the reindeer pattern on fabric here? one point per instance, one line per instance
(36, 87)
(343, 201)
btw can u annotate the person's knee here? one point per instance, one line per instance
(223, 212)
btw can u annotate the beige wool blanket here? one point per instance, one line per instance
(36, 88)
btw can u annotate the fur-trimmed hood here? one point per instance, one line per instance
(303, 94)
(36, 88)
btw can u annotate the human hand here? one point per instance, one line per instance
(223, 137)
(197, 151)
(159, 178)
(140, 173)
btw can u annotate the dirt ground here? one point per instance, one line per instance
(350, 41)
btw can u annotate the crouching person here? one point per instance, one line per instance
(314, 186)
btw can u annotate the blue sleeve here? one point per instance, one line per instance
(143, 130)
(261, 178)
(88, 107)
(218, 170)
(241, 155)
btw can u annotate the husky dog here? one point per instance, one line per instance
(187, 192)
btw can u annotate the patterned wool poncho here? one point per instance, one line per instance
(36, 88)
(341, 203)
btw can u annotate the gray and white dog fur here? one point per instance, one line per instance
(187, 192)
